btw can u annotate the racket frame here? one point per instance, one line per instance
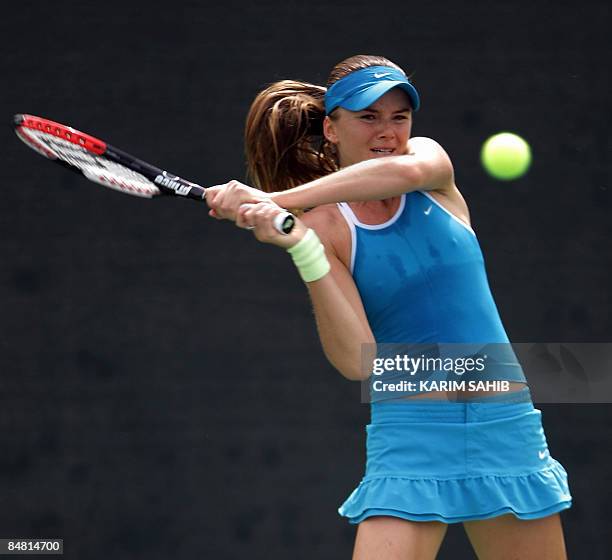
(162, 181)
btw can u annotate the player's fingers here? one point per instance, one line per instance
(263, 215)
(219, 198)
(244, 216)
(213, 197)
(211, 194)
(224, 206)
(263, 207)
(216, 214)
(258, 213)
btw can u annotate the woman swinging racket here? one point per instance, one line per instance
(388, 256)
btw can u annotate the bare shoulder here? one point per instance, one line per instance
(330, 226)
(322, 218)
(446, 192)
(436, 168)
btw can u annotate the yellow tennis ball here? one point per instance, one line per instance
(506, 156)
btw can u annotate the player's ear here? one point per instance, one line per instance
(329, 130)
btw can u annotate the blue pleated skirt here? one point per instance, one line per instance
(458, 461)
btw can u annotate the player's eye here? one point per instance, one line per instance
(367, 117)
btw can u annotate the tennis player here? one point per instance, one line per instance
(388, 255)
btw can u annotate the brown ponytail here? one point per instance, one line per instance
(283, 137)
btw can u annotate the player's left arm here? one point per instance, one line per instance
(426, 166)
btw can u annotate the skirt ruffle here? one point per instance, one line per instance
(529, 496)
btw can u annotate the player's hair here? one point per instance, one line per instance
(283, 137)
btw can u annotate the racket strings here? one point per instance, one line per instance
(96, 168)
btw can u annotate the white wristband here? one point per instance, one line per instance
(309, 257)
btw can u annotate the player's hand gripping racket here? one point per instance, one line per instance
(104, 164)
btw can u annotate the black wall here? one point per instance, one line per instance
(163, 393)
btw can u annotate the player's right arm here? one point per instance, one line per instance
(341, 320)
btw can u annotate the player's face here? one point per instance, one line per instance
(383, 129)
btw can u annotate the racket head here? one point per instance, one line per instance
(81, 152)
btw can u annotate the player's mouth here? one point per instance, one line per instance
(383, 151)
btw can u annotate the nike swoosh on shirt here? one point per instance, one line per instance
(541, 454)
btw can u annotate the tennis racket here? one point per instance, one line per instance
(110, 167)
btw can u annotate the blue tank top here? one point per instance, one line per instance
(422, 280)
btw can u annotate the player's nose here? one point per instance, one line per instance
(386, 130)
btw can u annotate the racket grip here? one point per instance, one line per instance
(284, 222)
(196, 192)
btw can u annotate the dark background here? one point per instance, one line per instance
(123, 321)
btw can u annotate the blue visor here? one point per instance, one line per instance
(361, 88)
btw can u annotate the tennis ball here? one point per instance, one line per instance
(505, 156)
